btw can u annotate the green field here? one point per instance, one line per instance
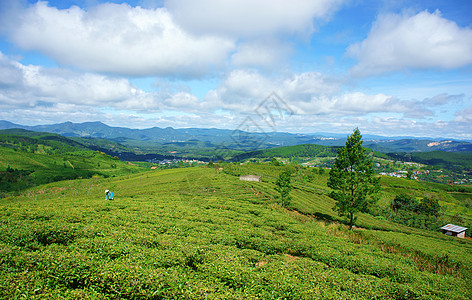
(20, 169)
(311, 195)
(194, 233)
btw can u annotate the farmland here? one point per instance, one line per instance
(194, 233)
(39, 158)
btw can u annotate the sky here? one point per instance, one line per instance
(392, 68)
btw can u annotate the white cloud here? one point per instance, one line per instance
(266, 53)
(38, 95)
(183, 101)
(240, 92)
(28, 85)
(9, 73)
(443, 99)
(306, 93)
(257, 25)
(247, 83)
(57, 113)
(354, 103)
(421, 41)
(305, 86)
(464, 116)
(182, 39)
(360, 102)
(118, 39)
(250, 18)
(403, 126)
(68, 86)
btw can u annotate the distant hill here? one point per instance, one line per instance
(52, 143)
(193, 138)
(31, 158)
(414, 145)
(215, 138)
(38, 142)
(306, 150)
(9, 125)
(456, 161)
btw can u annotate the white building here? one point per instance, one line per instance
(251, 178)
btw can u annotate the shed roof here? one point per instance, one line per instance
(453, 228)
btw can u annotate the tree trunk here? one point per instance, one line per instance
(351, 221)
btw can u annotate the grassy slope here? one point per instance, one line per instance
(312, 197)
(48, 168)
(195, 234)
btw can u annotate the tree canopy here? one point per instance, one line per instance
(284, 186)
(405, 202)
(352, 178)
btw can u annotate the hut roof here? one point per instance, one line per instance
(453, 228)
(250, 176)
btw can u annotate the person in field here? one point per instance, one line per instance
(109, 195)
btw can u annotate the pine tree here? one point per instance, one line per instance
(284, 186)
(352, 178)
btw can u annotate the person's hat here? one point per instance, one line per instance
(106, 191)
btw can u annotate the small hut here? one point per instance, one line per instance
(454, 230)
(251, 178)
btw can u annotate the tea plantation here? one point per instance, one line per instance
(195, 233)
(20, 169)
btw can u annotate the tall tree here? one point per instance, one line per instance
(352, 178)
(284, 186)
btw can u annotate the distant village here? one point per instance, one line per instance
(418, 171)
(399, 169)
(176, 162)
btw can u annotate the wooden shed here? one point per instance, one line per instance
(454, 230)
(251, 178)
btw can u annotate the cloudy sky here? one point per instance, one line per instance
(388, 67)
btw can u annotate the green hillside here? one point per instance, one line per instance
(311, 197)
(298, 151)
(448, 160)
(457, 166)
(195, 233)
(36, 158)
(38, 142)
(102, 144)
(458, 161)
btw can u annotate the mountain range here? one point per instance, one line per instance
(235, 139)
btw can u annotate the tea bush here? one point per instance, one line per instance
(192, 233)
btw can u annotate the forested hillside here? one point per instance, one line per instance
(458, 161)
(38, 142)
(34, 158)
(306, 150)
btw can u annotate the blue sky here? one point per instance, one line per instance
(388, 67)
